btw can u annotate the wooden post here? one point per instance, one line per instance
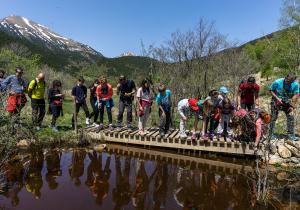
(75, 118)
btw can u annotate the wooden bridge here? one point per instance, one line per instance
(171, 141)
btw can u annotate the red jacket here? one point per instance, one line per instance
(104, 91)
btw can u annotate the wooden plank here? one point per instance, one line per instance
(173, 134)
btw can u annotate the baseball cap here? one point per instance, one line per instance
(194, 104)
(223, 89)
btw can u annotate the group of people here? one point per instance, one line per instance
(220, 114)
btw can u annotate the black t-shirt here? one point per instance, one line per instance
(79, 92)
(51, 95)
(128, 87)
(93, 95)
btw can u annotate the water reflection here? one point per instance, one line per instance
(113, 181)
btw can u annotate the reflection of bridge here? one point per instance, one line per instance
(181, 160)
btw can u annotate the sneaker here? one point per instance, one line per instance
(95, 125)
(141, 133)
(101, 126)
(54, 128)
(218, 136)
(162, 135)
(129, 126)
(87, 121)
(292, 137)
(110, 127)
(183, 136)
(194, 136)
(205, 137)
(37, 128)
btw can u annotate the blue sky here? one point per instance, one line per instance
(117, 26)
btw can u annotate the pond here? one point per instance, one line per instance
(76, 179)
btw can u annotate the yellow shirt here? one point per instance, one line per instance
(38, 91)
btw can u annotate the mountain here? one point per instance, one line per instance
(38, 34)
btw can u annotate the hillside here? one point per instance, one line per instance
(26, 37)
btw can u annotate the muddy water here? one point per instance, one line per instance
(78, 179)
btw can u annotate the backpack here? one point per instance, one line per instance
(34, 87)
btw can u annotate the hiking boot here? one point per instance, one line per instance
(87, 121)
(292, 137)
(205, 137)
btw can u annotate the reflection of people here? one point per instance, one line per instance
(97, 179)
(122, 193)
(161, 186)
(33, 179)
(53, 168)
(76, 169)
(141, 186)
(14, 172)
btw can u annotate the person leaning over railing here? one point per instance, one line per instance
(285, 92)
(16, 86)
(36, 92)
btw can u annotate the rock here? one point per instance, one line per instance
(23, 143)
(285, 165)
(273, 149)
(276, 159)
(100, 147)
(294, 144)
(283, 151)
(295, 152)
(282, 176)
(295, 160)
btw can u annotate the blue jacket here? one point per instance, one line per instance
(13, 83)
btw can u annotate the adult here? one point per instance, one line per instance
(248, 94)
(104, 93)
(144, 99)
(251, 125)
(79, 93)
(16, 87)
(187, 107)
(164, 103)
(126, 90)
(36, 92)
(55, 102)
(93, 100)
(285, 92)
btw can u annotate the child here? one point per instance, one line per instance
(55, 102)
(208, 116)
(227, 110)
(144, 98)
(163, 100)
(185, 106)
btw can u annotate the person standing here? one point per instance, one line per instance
(79, 93)
(227, 110)
(126, 90)
(164, 102)
(55, 102)
(16, 87)
(285, 93)
(187, 107)
(93, 100)
(144, 98)
(104, 93)
(248, 94)
(36, 92)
